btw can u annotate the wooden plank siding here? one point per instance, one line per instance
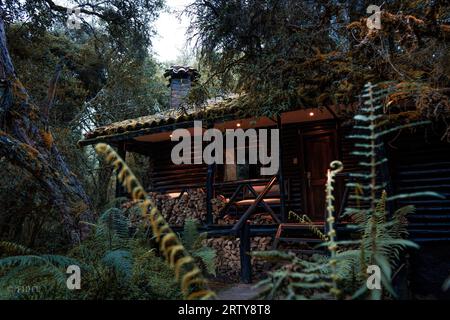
(420, 161)
(417, 162)
(168, 177)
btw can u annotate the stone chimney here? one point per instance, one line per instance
(180, 82)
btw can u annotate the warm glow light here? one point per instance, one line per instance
(238, 125)
(170, 136)
(311, 114)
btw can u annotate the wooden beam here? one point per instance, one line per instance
(231, 201)
(244, 252)
(264, 204)
(253, 207)
(284, 215)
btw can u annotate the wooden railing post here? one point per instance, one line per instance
(244, 250)
(210, 193)
(284, 216)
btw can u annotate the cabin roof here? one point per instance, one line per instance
(228, 108)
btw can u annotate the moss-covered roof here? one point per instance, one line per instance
(226, 108)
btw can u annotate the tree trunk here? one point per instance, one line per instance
(26, 141)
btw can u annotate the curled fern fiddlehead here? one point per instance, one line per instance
(193, 285)
(336, 167)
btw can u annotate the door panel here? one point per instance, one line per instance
(319, 150)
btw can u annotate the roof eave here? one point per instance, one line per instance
(128, 135)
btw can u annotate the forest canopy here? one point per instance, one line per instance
(316, 53)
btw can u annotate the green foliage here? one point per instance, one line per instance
(127, 23)
(314, 278)
(381, 234)
(113, 228)
(298, 278)
(192, 241)
(113, 266)
(446, 284)
(292, 53)
(98, 83)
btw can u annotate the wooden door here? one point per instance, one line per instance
(319, 150)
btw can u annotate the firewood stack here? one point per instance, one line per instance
(163, 202)
(228, 256)
(260, 244)
(259, 218)
(262, 218)
(190, 205)
(217, 205)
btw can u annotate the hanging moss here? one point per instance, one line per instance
(47, 138)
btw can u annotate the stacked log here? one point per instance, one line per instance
(228, 255)
(227, 220)
(190, 205)
(259, 218)
(164, 203)
(217, 205)
(262, 218)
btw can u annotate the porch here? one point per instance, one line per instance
(308, 141)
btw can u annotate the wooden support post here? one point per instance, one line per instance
(244, 246)
(122, 152)
(284, 216)
(210, 193)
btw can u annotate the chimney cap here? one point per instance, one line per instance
(177, 72)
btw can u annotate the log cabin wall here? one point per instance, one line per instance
(420, 161)
(168, 177)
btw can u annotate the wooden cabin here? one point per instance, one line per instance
(309, 140)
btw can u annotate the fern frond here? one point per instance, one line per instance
(192, 283)
(11, 248)
(446, 284)
(208, 257)
(120, 261)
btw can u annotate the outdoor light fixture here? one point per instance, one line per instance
(238, 124)
(311, 114)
